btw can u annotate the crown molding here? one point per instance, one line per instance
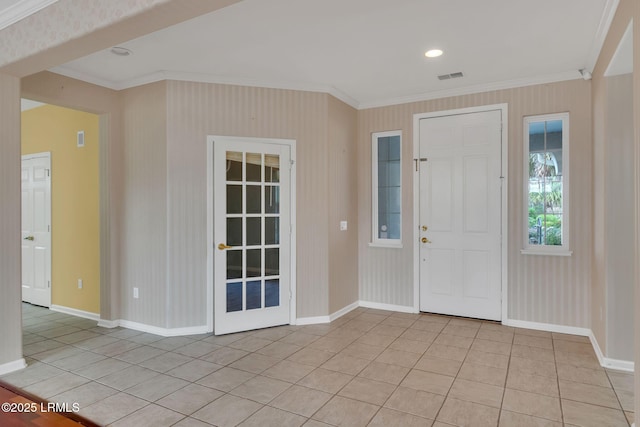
(206, 78)
(606, 19)
(20, 10)
(469, 90)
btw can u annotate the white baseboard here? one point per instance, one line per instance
(343, 311)
(156, 330)
(312, 320)
(548, 327)
(16, 365)
(103, 323)
(596, 348)
(605, 362)
(388, 307)
(165, 332)
(619, 365)
(75, 312)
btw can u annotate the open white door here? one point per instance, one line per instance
(36, 229)
(460, 215)
(252, 233)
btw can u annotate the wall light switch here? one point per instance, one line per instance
(79, 283)
(135, 292)
(343, 225)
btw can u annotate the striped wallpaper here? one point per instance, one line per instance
(543, 289)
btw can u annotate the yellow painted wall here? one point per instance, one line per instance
(75, 201)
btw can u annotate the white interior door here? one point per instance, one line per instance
(252, 219)
(460, 215)
(36, 229)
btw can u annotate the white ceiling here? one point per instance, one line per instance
(366, 52)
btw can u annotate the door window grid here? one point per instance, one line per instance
(253, 286)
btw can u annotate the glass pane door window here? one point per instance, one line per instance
(252, 222)
(252, 290)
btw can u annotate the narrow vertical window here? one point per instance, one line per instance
(547, 172)
(386, 148)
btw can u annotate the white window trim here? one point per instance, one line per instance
(375, 241)
(562, 250)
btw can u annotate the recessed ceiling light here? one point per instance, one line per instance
(120, 51)
(433, 53)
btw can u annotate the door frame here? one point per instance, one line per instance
(291, 143)
(47, 155)
(504, 218)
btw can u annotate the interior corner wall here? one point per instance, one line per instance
(343, 205)
(10, 261)
(196, 110)
(75, 219)
(143, 255)
(544, 289)
(626, 11)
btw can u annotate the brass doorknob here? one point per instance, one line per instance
(223, 246)
(29, 238)
(424, 228)
(425, 240)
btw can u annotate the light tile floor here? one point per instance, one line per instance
(369, 367)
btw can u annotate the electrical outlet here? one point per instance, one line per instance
(135, 292)
(343, 225)
(79, 283)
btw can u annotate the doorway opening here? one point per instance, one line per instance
(72, 229)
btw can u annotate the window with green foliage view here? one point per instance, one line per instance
(546, 144)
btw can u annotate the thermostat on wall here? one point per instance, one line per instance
(80, 138)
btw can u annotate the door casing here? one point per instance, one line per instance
(210, 220)
(504, 193)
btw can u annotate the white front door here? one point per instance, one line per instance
(460, 214)
(252, 234)
(36, 229)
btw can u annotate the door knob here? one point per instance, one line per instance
(223, 246)
(424, 228)
(425, 240)
(29, 238)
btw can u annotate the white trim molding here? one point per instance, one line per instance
(156, 330)
(9, 367)
(388, 307)
(548, 327)
(20, 10)
(300, 321)
(608, 13)
(75, 312)
(605, 362)
(343, 311)
(110, 324)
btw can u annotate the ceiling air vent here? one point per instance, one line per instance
(450, 76)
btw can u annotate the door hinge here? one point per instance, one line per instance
(48, 229)
(291, 163)
(48, 283)
(48, 172)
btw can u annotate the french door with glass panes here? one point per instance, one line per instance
(252, 231)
